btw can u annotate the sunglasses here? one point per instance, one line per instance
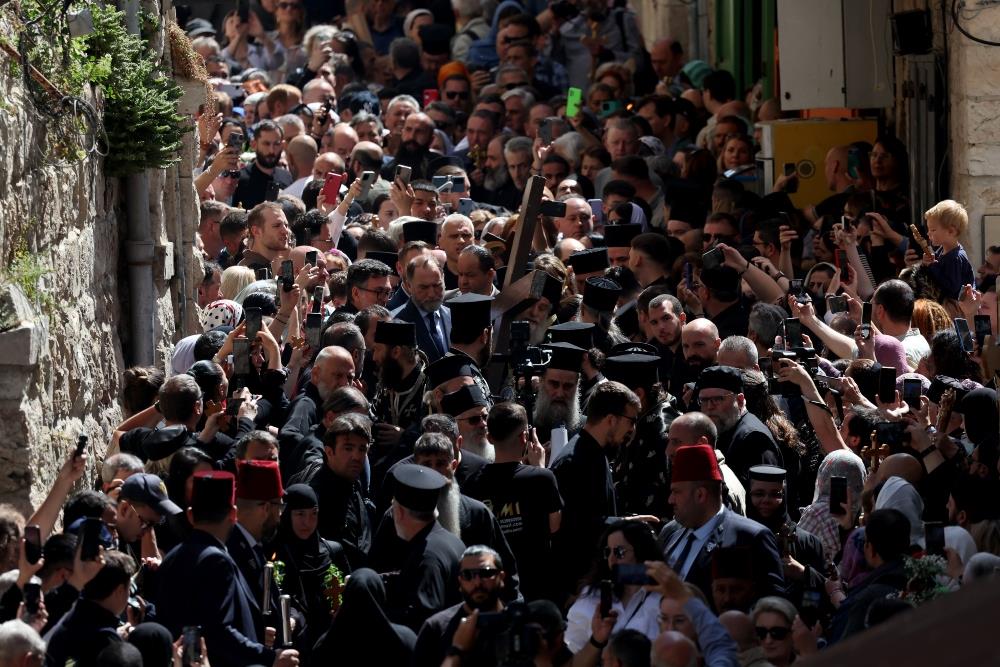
(474, 420)
(230, 174)
(480, 572)
(777, 632)
(618, 551)
(457, 94)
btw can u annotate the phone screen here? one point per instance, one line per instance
(866, 320)
(81, 445)
(314, 321)
(712, 259)
(887, 384)
(241, 356)
(838, 494)
(90, 543)
(838, 304)
(233, 406)
(911, 392)
(32, 543)
(404, 173)
(795, 286)
(984, 328)
(688, 275)
(192, 645)
(574, 96)
(271, 194)
(33, 595)
(253, 323)
(934, 537)
(842, 263)
(607, 597)
(596, 211)
(964, 335)
(263, 273)
(311, 257)
(367, 179)
(317, 306)
(793, 333)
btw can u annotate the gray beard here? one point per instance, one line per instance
(484, 448)
(548, 415)
(449, 509)
(495, 178)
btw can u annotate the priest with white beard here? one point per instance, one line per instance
(558, 399)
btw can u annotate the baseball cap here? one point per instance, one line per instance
(149, 490)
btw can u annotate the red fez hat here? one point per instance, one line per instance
(213, 490)
(259, 480)
(695, 463)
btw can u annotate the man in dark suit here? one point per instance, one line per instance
(584, 476)
(258, 511)
(425, 283)
(200, 583)
(703, 525)
(426, 581)
(743, 438)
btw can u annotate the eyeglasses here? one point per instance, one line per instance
(479, 572)
(715, 400)
(632, 420)
(474, 420)
(457, 94)
(382, 292)
(144, 523)
(777, 632)
(619, 551)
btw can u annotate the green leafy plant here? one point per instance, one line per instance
(27, 271)
(140, 118)
(330, 577)
(279, 573)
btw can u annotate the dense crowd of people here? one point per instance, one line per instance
(699, 425)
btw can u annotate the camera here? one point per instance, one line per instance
(515, 640)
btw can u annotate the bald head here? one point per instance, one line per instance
(301, 155)
(298, 256)
(667, 57)
(734, 108)
(325, 163)
(900, 465)
(740, 628)
(567, 247)
(317, 91)
(344, 140)
(333, 368)
(835, 168)
(700, 342)
(672, 649)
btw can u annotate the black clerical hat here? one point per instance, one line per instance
(466, 398)
(580, 334)
(620, 236)
(588, 261)
(417, 488)
(565, 357)
(633, 370)
(470, 314)
(396, 332)
(601, 294)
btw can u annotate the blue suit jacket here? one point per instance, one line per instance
(200, 584)
(409, 313)
(733, 530)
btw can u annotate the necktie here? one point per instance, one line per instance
(435, 332)
(678, 564)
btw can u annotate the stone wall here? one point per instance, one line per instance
(974, 105)
(61, 362)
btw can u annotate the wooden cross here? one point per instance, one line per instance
(874, 455)
(523, 237)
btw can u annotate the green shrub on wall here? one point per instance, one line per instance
(140, 116)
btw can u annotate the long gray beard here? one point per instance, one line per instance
(548, 414)
(449, 512)
(484, 449)
(495, 178)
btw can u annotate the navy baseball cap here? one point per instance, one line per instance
(149, 490)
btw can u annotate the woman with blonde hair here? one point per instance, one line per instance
(234, 279)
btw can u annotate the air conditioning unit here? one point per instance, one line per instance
(835, 54)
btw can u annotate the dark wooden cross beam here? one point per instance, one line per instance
(519, 253)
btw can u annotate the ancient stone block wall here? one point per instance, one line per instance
(61, 355)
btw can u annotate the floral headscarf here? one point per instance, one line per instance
(816, 518)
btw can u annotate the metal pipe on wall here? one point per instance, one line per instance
(139, 248)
